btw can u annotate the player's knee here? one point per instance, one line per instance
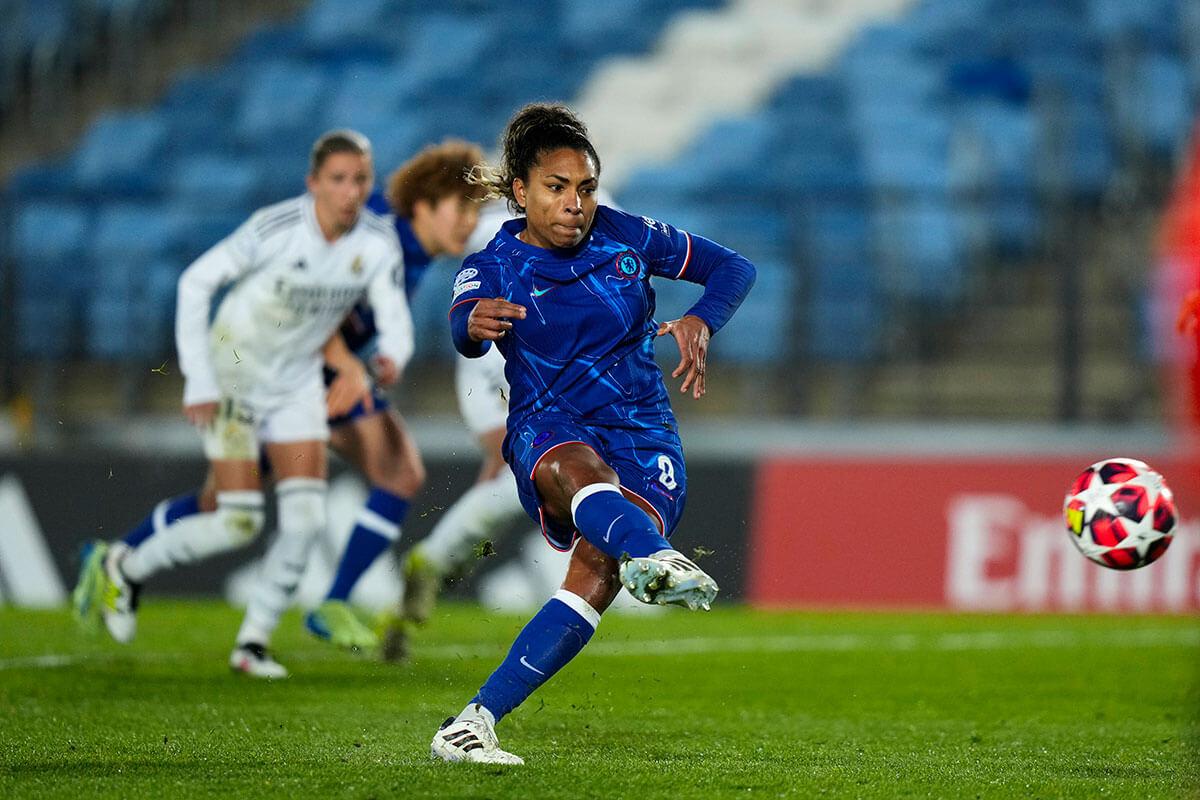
(400, 474)
(301, 506)
(241, 515)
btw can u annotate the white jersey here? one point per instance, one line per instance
(291, 289)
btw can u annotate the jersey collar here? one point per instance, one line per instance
(508, 234)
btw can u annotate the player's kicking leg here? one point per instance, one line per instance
(555, 635)
(575, 485)
(380, 446)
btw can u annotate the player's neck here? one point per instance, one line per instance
(330, 229)
(426, 239)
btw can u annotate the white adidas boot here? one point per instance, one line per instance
(668, 577)
(471, 736)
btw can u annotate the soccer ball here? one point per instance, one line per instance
(1120, 513)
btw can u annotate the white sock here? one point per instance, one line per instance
(481, 512)
(236, 523)
(301, 522)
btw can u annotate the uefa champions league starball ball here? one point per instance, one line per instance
(1120, 513)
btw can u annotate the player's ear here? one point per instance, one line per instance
(519, 192)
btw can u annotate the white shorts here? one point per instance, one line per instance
(482, 391)
(240, 428)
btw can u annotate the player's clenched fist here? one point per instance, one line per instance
(489, 319)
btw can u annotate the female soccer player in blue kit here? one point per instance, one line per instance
(565, 294)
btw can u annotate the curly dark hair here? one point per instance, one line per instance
(536, 129)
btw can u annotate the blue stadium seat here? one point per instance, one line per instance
(921, 243)
(837, 232)
(333, 27)
(214, 182)
(845, 330)
(126, 233)
(1161, 113)
(47, 179)
(119, 154)
(907, 151)
(199, 228)
(45, 326)
(1153, 22)
(1002, 141)
(282, 105)
(267, 44)
(118, 325)
(50, 248)
(760, 332)
(51, 232)
(198, 107)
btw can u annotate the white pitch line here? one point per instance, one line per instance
(829, 643)
(798, 643)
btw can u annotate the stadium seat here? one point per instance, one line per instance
(125, 233)
(45, 325)
(361, 29)
(922, 243)
(835, 231)
(1156, 102)
(119, 154)
(844, 330)
(214, 182)
(760, 333)
(198, 107)
(282, 104)
(47, 232)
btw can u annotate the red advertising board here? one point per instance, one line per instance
(958, 533)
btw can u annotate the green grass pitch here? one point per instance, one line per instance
(736, 703)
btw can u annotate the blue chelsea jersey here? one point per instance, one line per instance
(586, 345)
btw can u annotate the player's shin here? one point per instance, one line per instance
(613, 524)
(377, 527)
(301, 520)
(165, 513)
(236, 523)
(555, 635)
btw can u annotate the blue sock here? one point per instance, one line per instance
(163, 515)
(377, 527)
(613, 524)
(553, 637)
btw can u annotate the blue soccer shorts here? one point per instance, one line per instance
(648, 462)
(359, 411)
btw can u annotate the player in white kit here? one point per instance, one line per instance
(253, 383)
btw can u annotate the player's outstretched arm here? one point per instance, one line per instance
(691, 334)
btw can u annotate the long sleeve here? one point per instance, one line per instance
(460, 313)
(392, 315)
(197, 286)
(726, 276)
